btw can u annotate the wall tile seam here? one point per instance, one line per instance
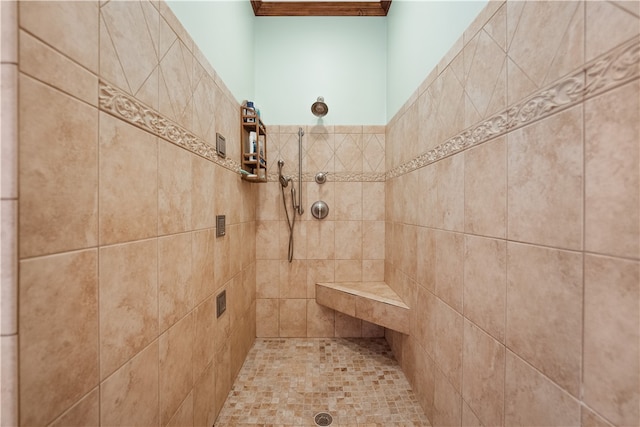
(127, 108)
(49, 85)
(309, 177)
(523, 242)
(53, 48)
(615, 68)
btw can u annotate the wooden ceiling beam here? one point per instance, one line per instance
(320, 8)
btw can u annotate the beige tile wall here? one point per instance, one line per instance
(512, 225)
(347, 245)
(119, 263)
(9, 212)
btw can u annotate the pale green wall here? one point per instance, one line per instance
(419, 34)
(366, 68)
(224, 32)
(342, 59)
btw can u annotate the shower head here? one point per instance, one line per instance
(284, 181)
(319, 108)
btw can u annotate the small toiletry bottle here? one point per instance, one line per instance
(250, 112)
(252, 145)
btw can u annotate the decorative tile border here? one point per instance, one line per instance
(617, 67)
(125, 107)
(336, 177)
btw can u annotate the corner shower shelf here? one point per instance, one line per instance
(374, 302)
(253, 157)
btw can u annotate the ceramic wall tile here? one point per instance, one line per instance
(184, 414)
(128, 182)
(70, 27)
(58, 191)
(175, 283)
(426, 258)
(544, 311)
(9, 266)
(176, 366)
(45, 64)
(130, 395)
(204, 399)
(58, 333)
(84, 413)
(619, 21)
(318, 271)
(176, 84)
(348, 270)
(449, 343)
(612, 213)
(373, 201)
(349, 150)
(483, 379)
(268, 240)
(9, 367)
(591, 419)
(347, 326)
(267, 317)
(611, 350)
(205, 99)
(9, 34)
(486, 81)
(373, 152)
(447, 402)
(485, 189)
(424, 329)
(203, 188)
(128, 301)
(485, 284)
(320, 320)
(547, 42)
(545, 175)
(174, 189)
(372, 240)
(293, 279)
(531, 399)
(293, 318)
(321, 240)
(348, 239)
(204, 336)
(9, 131)
(450, 268)
(450, 173)
(132, 28)
(348, 201)
(203, 264)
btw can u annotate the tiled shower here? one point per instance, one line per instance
(501, 203)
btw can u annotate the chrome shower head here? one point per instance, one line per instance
(319, 108)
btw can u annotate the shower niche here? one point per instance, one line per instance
(253, 140)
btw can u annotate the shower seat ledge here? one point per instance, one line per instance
(374, 302)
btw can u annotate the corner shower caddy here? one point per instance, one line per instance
(253, 160)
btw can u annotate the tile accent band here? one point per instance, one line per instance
(618, 66)
(117, 103)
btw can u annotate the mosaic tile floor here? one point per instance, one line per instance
(285, 382)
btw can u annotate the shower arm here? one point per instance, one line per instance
(300, 208)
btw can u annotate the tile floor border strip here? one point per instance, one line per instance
(617, 67)
(125, 107)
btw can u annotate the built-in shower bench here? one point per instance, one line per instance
(374, 302)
